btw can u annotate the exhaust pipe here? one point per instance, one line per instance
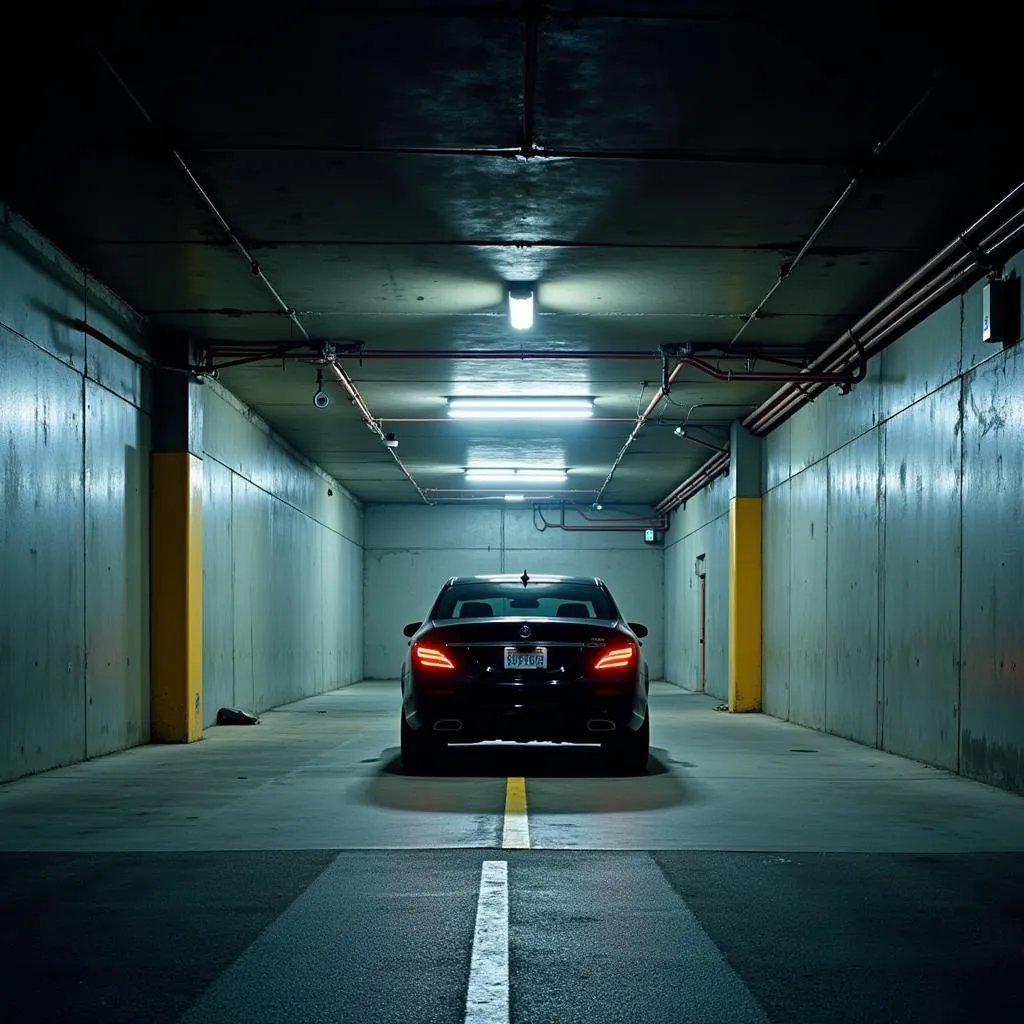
(448, 725)
(600, 725)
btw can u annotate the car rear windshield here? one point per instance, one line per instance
(536, 600)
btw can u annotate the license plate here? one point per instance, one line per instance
(536, 657)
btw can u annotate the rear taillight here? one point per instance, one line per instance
(617, 657)
(431, 657)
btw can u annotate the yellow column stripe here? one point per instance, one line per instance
(745, 629)
(516, 831)
(176, 598)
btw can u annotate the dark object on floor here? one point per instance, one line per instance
(232, 716)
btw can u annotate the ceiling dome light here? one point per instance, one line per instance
(520, 307)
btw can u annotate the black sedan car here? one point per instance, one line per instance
(525, 658)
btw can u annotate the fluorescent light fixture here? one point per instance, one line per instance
(521, 475)
(515, 497)
(520, 307)
(520, 408)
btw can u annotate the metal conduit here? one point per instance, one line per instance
(848, 377)
(252, 353)
(923, 290)
(787, 268)
(711, 469)
(253, 264)
(645, 521)
(595, 525)
(766, 376)
(638, 426)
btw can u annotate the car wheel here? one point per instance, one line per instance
(630, 750)
(417, 749)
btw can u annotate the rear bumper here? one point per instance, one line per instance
(591, 720)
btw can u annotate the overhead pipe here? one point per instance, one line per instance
(743, 159)
(255, 268)
(767, 376)
(714, 467)
(582, 512)
(789, 266)
(593, 526)
(781, 404)
(532, 16)
(246, 354)
(697, 440)
(668, 377)
(924, 290)
(357, 400)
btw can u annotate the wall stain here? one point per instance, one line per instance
(994, 763)
(12, 479)
(990, 418)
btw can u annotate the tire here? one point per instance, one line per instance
(418, 752)
(630, 750)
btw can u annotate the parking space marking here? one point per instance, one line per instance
(516, 832)
(487, 995)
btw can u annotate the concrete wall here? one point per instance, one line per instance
(894, 554)
(282, 568)
(702, 528)
(74, 512)
(412, 549)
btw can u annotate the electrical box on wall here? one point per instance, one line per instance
(1000, 310)
(994, 318)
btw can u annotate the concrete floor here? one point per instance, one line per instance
(290, 871)
(325, 773)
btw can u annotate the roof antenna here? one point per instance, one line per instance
(525, 578)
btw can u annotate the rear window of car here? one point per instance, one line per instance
(536, 600)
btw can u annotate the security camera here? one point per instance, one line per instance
(321, 399)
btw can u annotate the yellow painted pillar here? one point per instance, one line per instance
(176, 597)
(745, 629)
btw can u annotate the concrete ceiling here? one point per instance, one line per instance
(392, 165)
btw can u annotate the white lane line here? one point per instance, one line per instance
(515, 834)
(487, 997)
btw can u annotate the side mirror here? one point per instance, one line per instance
(411, 628)
(639, 628)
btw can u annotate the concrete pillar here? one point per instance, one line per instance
(176, 549)
(745, 625)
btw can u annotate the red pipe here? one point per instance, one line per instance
(764, 376)
(881, 324)
(789, 403)
(248, 354)
(879, 339)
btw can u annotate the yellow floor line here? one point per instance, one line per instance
(516, 833)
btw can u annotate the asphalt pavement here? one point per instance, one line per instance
(292, 872)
